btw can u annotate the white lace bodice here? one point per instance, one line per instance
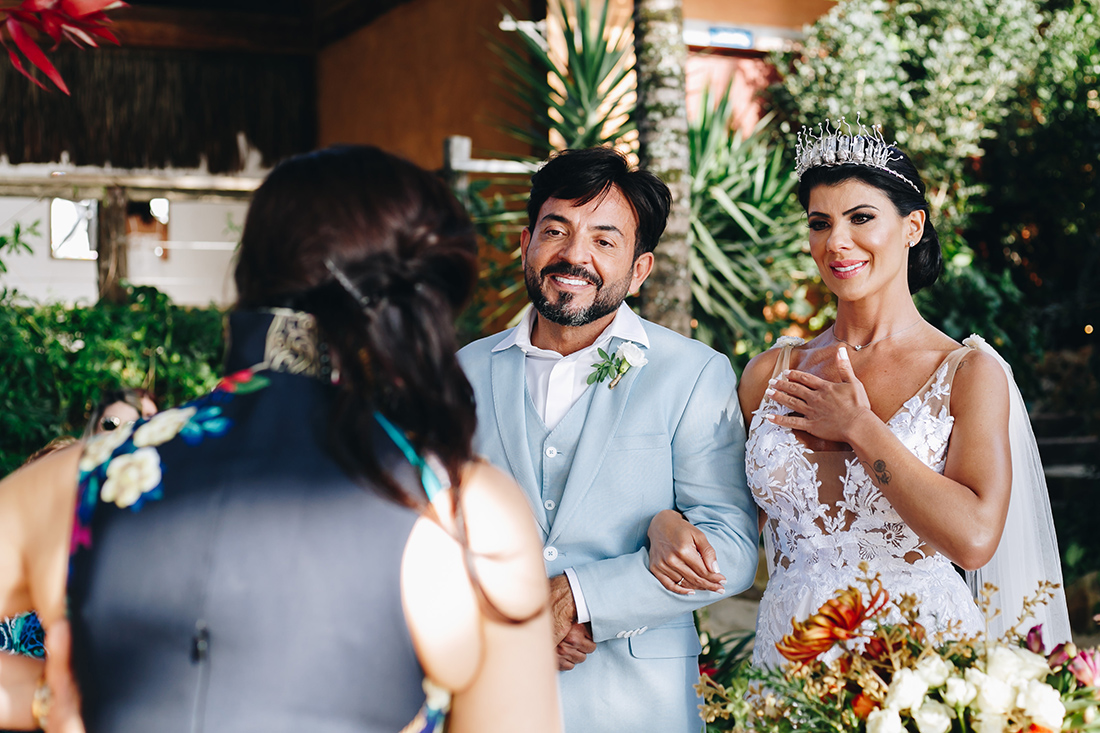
(825, 516)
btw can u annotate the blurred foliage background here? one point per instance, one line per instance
(56, 359)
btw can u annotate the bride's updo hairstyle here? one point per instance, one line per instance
(906, 191)
(384, 256)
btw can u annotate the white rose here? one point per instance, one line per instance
(131, 475)
(163, 426)
(934, 670)
(1042, 704)
(990, 724)
(906, 691)
(884, 721)
(1003, 665)
(100, 447)
(1032, 666)
(933, 717)
(994, 697)
(633, 355)
(959, 692)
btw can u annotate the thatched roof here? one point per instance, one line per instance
(190, 76)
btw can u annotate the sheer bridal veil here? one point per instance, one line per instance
(1028, 552)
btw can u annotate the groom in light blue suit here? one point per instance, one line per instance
(600, 452)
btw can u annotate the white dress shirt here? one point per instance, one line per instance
(556, 382)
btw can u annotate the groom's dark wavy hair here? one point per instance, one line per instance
(581, 176)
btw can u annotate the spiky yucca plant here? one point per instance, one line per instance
(745, 227)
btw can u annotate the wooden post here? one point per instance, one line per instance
(112, 246)
(457, 150)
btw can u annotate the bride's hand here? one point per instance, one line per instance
(681, 557)
(827, 409)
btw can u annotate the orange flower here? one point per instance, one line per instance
(1036, 728)
(863, 705)
(837, 620)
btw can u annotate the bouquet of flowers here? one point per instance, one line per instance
(852, 670)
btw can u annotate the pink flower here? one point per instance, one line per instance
(1034, 641)
(1086, 667)
(1062, 654)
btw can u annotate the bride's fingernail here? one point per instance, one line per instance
(769, 392)
(784, 373)
(843, 353)
(715, 566)
(691, 592)
(773, 380)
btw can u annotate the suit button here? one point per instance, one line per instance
(643, 629)
(549, 504)
(550, 553)
(620, 635)
(551, 451)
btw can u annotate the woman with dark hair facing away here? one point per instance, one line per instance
(882, 440)
(313, 545)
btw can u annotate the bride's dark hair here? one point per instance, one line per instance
(381, 253)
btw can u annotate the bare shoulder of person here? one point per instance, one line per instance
(504, 541)
(442, 605)
(754, 380)
(36, 509)
(980, 383)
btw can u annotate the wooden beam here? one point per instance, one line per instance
(336, 19)
(210, 30)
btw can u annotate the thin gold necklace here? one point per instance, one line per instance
(857, 347)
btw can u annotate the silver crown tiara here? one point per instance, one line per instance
(831, 146)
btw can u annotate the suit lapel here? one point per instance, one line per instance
(604, 413)
(509, 402)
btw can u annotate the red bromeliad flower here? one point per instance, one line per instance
(839, 619)
(79, 21)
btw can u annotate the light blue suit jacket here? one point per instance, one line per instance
(669, 436)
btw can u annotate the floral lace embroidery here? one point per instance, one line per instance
(817, 547)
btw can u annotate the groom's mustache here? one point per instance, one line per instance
(571, 270)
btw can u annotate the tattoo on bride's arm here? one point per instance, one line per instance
(882, 474)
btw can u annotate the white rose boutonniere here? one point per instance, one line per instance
(613, 367)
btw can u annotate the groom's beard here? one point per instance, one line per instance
(607, 298)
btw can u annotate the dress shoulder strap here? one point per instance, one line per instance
(786, 345)
(429, 478)
(953, 360)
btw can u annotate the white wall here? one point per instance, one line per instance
(196, 271)
(39, 275)
(199, 267)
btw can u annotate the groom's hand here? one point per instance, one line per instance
(575, 647)
(563, 610)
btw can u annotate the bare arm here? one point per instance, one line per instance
(960, 513)
(500, 671)
(36, 507)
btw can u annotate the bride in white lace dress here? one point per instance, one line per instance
(881, 440)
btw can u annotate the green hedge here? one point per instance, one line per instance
(55, 359)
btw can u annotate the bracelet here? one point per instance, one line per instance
(41, 702)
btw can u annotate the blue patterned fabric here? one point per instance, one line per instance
(23, 635)
(214, 527)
